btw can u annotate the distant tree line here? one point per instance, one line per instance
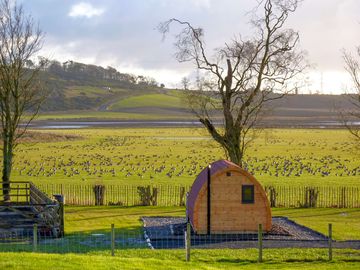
(80, 71)
(57, 77)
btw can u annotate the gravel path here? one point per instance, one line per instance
(168, 232)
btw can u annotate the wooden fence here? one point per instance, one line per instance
(337, 197)
(175, 195)
(26, 205)
(18, 193)
(123, 195)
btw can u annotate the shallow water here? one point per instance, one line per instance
(130, 123)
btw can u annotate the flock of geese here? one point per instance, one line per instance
(146, 158)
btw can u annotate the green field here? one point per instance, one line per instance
(114, 105)
(174, 259)
(127, 219)
(142, 156)
(85, 220)
(150, 100)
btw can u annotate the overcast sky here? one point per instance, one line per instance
(122, 34)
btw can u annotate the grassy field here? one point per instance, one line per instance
(176, 155)
(126, 220)
(99, 218)
(346, 222)
(151, 100)
(103, 103)
(174, 259)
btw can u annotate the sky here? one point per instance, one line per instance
(123, 34)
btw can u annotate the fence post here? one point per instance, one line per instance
(260, 242)
(330, 242)
(27, 195)
(112, 240)
(61, 200)
(35, 237)
(187, 241)
(188, 230)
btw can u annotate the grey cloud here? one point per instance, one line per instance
(125, 34)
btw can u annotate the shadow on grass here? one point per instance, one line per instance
(122, 230)
(271, 261)
(95, 241)
(321, 212)
(304, 260)
(236, 261)
(320, 260)
(351, 260)
(100, 212)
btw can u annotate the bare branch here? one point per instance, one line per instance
(243, 74)
(20, 40)
(352, 66)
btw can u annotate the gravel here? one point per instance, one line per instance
(168, 232)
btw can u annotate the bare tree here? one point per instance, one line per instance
(20, 40)
(185, 83)
(242, 75)
(352, 66)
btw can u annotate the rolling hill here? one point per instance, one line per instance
(80, 91)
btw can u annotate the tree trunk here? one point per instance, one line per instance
(20, 91)
(7, 161)
(230, 142)
(234, 153)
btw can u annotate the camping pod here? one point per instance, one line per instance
(224, 198)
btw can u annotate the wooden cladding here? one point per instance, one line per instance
(238, 204)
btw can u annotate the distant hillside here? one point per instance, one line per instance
(76, 86)
(87, 91)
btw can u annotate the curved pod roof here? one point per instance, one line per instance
(219, 168)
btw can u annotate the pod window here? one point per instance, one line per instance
(228, 173)
(247, 194)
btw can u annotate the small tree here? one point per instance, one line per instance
(352, 66)
(20, 39)
(242, 76)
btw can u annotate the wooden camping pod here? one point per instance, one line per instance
(236, 203)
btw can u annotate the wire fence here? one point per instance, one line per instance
(175, 195)
(176, 233)
(81, 242)
(172, 236)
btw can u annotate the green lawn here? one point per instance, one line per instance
(346, 222)
(174, 259)
(84, 220)
(143, 156)
(127, 219)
